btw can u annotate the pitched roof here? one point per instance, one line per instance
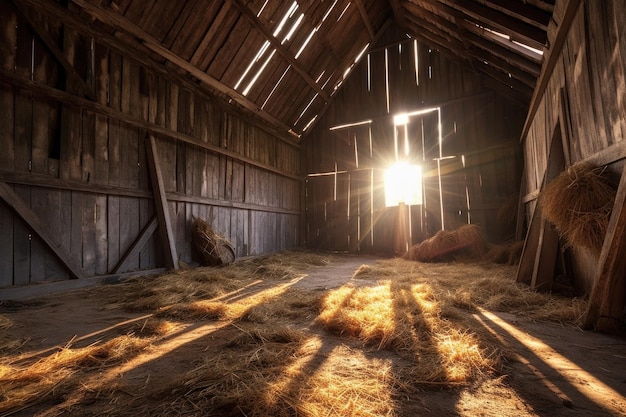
(285, 60)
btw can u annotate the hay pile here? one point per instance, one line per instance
(265, 349)
(467, 241)
(579, 202)
(213, 249)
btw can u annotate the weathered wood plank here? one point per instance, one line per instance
(6, 245)
(605, 308)
(161, 205)
(25, 212)
(135, 249)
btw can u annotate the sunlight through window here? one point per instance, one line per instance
(403, 184)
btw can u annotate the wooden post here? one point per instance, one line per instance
(606, 303)
(160, 202)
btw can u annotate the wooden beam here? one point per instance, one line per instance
(124, 25)
(46, 181)
(545, 259)
(137, 245)
(31, 87)
(130, 47)
(30, 217)
(550, 63)
(366, 19)
(486, 16)
(523, 11)
(605, 308)
(502, 50)
(284, 52)
(160, 203)
(380, 33)
(70, 71)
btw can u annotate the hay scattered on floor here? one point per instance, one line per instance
(466, 241)
(271, 353)
(63, 371)
(579, 203)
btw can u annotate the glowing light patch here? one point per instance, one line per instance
(403, 184)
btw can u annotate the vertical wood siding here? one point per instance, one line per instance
(82, 168)
(584, 98)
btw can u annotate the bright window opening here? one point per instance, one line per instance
(403, 184)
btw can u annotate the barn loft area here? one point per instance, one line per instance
(402, 144)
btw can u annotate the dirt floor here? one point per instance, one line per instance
(548, 369)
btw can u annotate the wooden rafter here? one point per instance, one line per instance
(527, 65)
(495, 19)
(122, 24)
(284, 52)
(523, 11)
(366, 19)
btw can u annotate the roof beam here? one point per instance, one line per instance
(527, 13)
(486, 16)
(120, 23)
(284, 52)
(365, 18)
(528, 65)
(506, 68)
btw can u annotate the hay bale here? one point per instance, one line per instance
(213, 249)
(579, 202)
(467, 239)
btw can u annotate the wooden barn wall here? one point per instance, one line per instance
(78, 163)
(583, 106)
(345, 208)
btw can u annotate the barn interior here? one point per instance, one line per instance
(312, 207)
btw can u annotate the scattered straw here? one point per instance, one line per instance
(579, 203)
(279, 351)
(61, 372)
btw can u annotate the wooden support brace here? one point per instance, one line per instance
(160, 202)
(605, 309)
(56, 51)
(531, 246)
(545, 259)
(30, 217)
(137, 245)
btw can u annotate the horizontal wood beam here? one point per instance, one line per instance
(30, 217)
(44, 181)
(130, 47)
(124, 25)
(31, 87)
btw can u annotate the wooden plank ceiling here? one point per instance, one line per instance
(284, 60)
